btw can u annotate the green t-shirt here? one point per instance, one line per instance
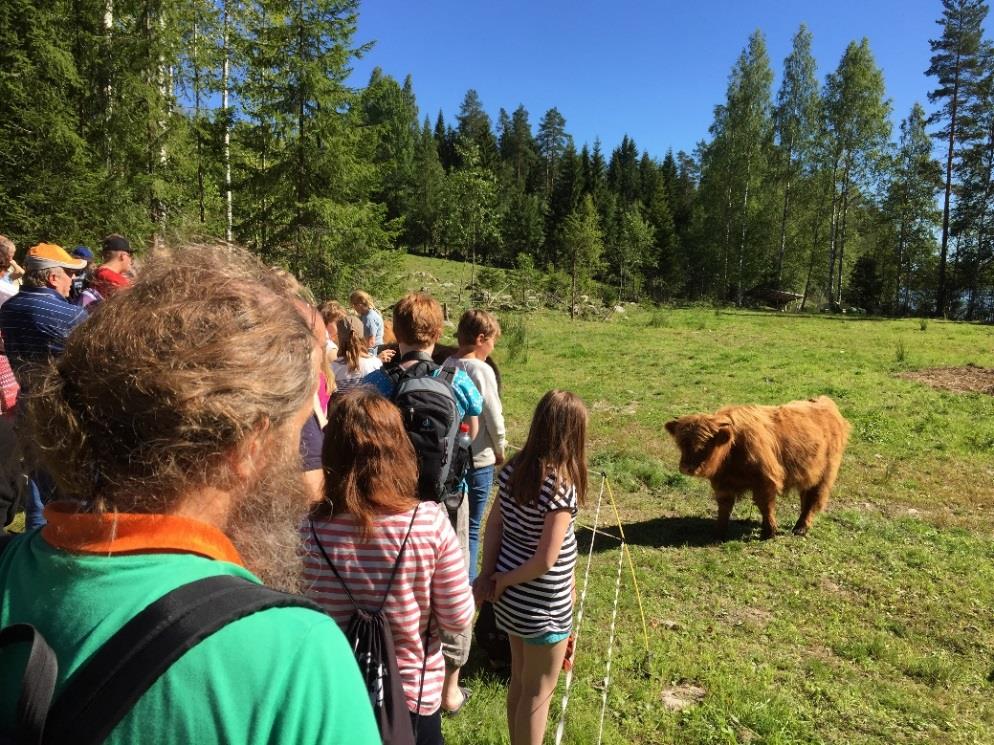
(284, 675)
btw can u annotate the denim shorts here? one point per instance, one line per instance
(551, 637)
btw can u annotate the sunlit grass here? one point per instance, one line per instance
(875, 629)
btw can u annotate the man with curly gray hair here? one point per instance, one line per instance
(170, 424)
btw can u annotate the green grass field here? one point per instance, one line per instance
(877, 628)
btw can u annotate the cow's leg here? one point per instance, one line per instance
(725, 503)
(813, 500)
(765, 498)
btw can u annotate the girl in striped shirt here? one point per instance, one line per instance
(370, 506)
(530, 555)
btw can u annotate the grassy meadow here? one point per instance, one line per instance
(877, 628)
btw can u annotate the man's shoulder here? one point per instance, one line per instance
(275, 627)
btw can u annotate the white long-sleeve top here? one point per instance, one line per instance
(491, 438)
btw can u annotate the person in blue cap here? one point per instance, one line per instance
(82, 279)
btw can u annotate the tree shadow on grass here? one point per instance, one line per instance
(667, 532)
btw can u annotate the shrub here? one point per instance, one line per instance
(515, 334)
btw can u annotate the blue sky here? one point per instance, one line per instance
(653, 70)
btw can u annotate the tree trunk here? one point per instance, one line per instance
(902, 238)
(196, 123)
(783, 216)
(227, 123)
(832, 231)
(739, 293)
(107, 27)
(807, 280)
(572, 304)
(728, 241)
(842, 240)
(940, 295)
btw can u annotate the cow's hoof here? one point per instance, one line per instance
(800, 530)
(767, 534)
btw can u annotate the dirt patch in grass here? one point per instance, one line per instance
(683, 696)
(968, 379)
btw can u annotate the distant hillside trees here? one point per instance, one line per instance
(199, 119)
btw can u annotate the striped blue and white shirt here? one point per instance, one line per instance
(35, 324)
(545, 604)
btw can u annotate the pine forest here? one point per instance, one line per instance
(199, 120)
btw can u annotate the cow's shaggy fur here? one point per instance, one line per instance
(767, 450)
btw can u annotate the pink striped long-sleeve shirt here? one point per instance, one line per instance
(431, 582)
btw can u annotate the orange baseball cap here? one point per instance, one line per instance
(49, 255)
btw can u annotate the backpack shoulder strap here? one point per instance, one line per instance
(393, 572)
(417, 354)
(423, 365)
(448, 374)
(37, 682)
(104, 690)
(327, 560)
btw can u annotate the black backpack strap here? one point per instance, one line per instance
(417, 354)
(448, 374)
(393, 572)
(37, 683)
(104, 690)
(327, 560)
(394, 372)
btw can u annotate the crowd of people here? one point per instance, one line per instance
(204, 417)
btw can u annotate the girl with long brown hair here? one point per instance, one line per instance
(370, 524)
(530, 556)
(354, 360)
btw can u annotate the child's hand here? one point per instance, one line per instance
(386, 355)
(483, 589)
(499, 459)
(499, 586)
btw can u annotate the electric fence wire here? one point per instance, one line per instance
(561, 726)
(610, 642)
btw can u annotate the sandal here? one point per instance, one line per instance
(466, 696)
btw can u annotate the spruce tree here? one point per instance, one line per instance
(474, 131)
(972, 222)
(909, 208)
(954, 64)
(445, 141)
(518, 150)
(623, 173)
(551, 142)
(425, 205)
(308, 157)
(562, 202)
(45, 170)
(584, 244)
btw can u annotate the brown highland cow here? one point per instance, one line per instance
(766, 450)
